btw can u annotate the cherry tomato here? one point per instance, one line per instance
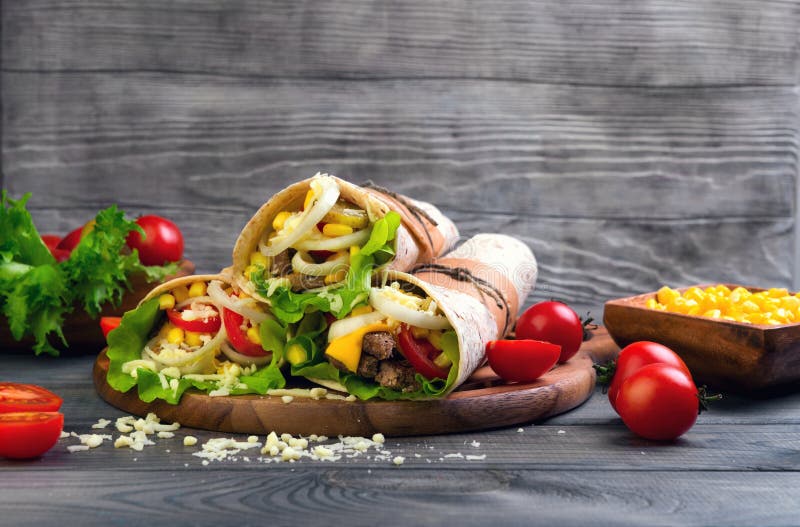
(25, 435)
(71, 240)
(658, 401)
(107, 324)
(17, 397)
(552, 322)
(163, 241)
(238, 337)
(522, 360)
(420, 353)
(52, 241)
(200, 325)
(637, 355)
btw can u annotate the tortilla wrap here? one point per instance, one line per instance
(479, 287)
(424, 233)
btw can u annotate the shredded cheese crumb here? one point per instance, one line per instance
(287, 399)
(101, 423)
(399, 460)
(189, 441)
(378, 438)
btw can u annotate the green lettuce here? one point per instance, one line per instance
(37, 293)
(290, 307)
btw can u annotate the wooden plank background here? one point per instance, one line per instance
(630, 144)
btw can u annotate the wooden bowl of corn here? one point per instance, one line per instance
(732, 337)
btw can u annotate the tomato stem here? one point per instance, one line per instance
(704, 399)
(605, 373)
(588, 327)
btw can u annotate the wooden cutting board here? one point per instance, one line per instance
(483, 402)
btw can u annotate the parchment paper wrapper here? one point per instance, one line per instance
(424, 233)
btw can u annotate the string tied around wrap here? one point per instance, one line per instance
(415, 211)
(465, 275)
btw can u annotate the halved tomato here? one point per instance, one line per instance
(108, 324)
(521, 360)
(420, 353)
(25, 435)
(200, 325)
(18, 397)
(238, 337)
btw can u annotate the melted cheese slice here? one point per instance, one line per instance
(347, 349)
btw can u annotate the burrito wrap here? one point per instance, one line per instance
(469, 298)
(498, 270)
(168, 286)
(412, 245)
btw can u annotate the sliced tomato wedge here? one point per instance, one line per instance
(18, 397)
(200, 325)
(108, 324)
(521, 360)
(238, 337)
(25, 435)
(420, 353)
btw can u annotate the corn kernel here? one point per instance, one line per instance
(713, 313)
(249, 270)
(180, 293)
(694, 293)
(338, 276)
(435, 338)
(166, 301)
(361, 310)
(667, 295)
(193, 338)
(336, 229)
(280, 220)
(777, 292)
(256, 258)
(309, 200)
(253, 335)
(197, 289)
(749, 306)
(419, 332)
(652, 303)
(354, 250)
(296, 354)
(175, 336)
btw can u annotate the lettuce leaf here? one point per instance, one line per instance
(37, 293)
(290, 307)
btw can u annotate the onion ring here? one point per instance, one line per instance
(301, 264)
(414, 317)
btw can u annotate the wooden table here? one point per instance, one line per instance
(739, 465)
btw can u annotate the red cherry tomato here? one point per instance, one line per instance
(69, 241)
(25, 435)
(238, 337)
(552, 322)
(659, 402)
(637, 355)
(52, 241)
(521, 360)
(163, 241)
(200, 325)
(108, 324)
(420, 353)
(17, 397)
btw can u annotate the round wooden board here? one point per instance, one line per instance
(483, 402)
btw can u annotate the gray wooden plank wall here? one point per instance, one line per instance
(630, 144)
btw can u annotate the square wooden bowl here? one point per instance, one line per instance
(726, 355)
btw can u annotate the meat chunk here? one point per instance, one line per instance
(379, 344)
(301, 282)
(367, 366)
(281, 264)
(397, 375)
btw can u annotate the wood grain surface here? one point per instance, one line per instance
(737, 466)
(629, 145)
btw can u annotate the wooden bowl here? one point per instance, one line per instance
(733, 356)
(82, 332)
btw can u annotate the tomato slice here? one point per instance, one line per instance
(208, 325)
(419, 353)
(522, 360)
(25, 435)
(17, 397)
(107, 324)
(238, 337)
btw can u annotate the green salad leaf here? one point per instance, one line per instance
(37, 293)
